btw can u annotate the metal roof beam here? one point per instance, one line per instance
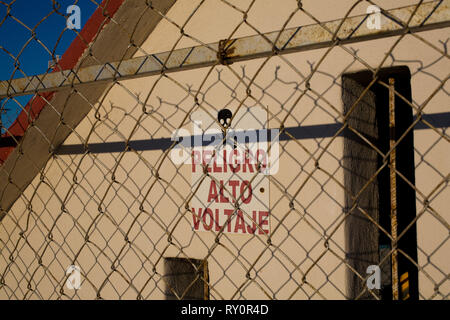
(430, 15)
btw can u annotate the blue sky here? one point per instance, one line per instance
(32, 57)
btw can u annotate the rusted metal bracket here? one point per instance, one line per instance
(224, 52)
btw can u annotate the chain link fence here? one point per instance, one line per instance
(219, 149)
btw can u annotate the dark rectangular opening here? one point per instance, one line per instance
(186, 279)
(366, 244)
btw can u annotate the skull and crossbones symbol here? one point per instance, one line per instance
(224, 117)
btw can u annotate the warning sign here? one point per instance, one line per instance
(234, 194)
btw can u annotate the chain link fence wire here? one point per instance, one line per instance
(356, 115)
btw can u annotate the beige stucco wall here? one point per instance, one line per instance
(278, 271)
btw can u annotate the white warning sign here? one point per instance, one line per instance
(230, 175)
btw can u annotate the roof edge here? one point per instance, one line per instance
(100, 18)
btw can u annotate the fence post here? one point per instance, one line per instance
(393, 188)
